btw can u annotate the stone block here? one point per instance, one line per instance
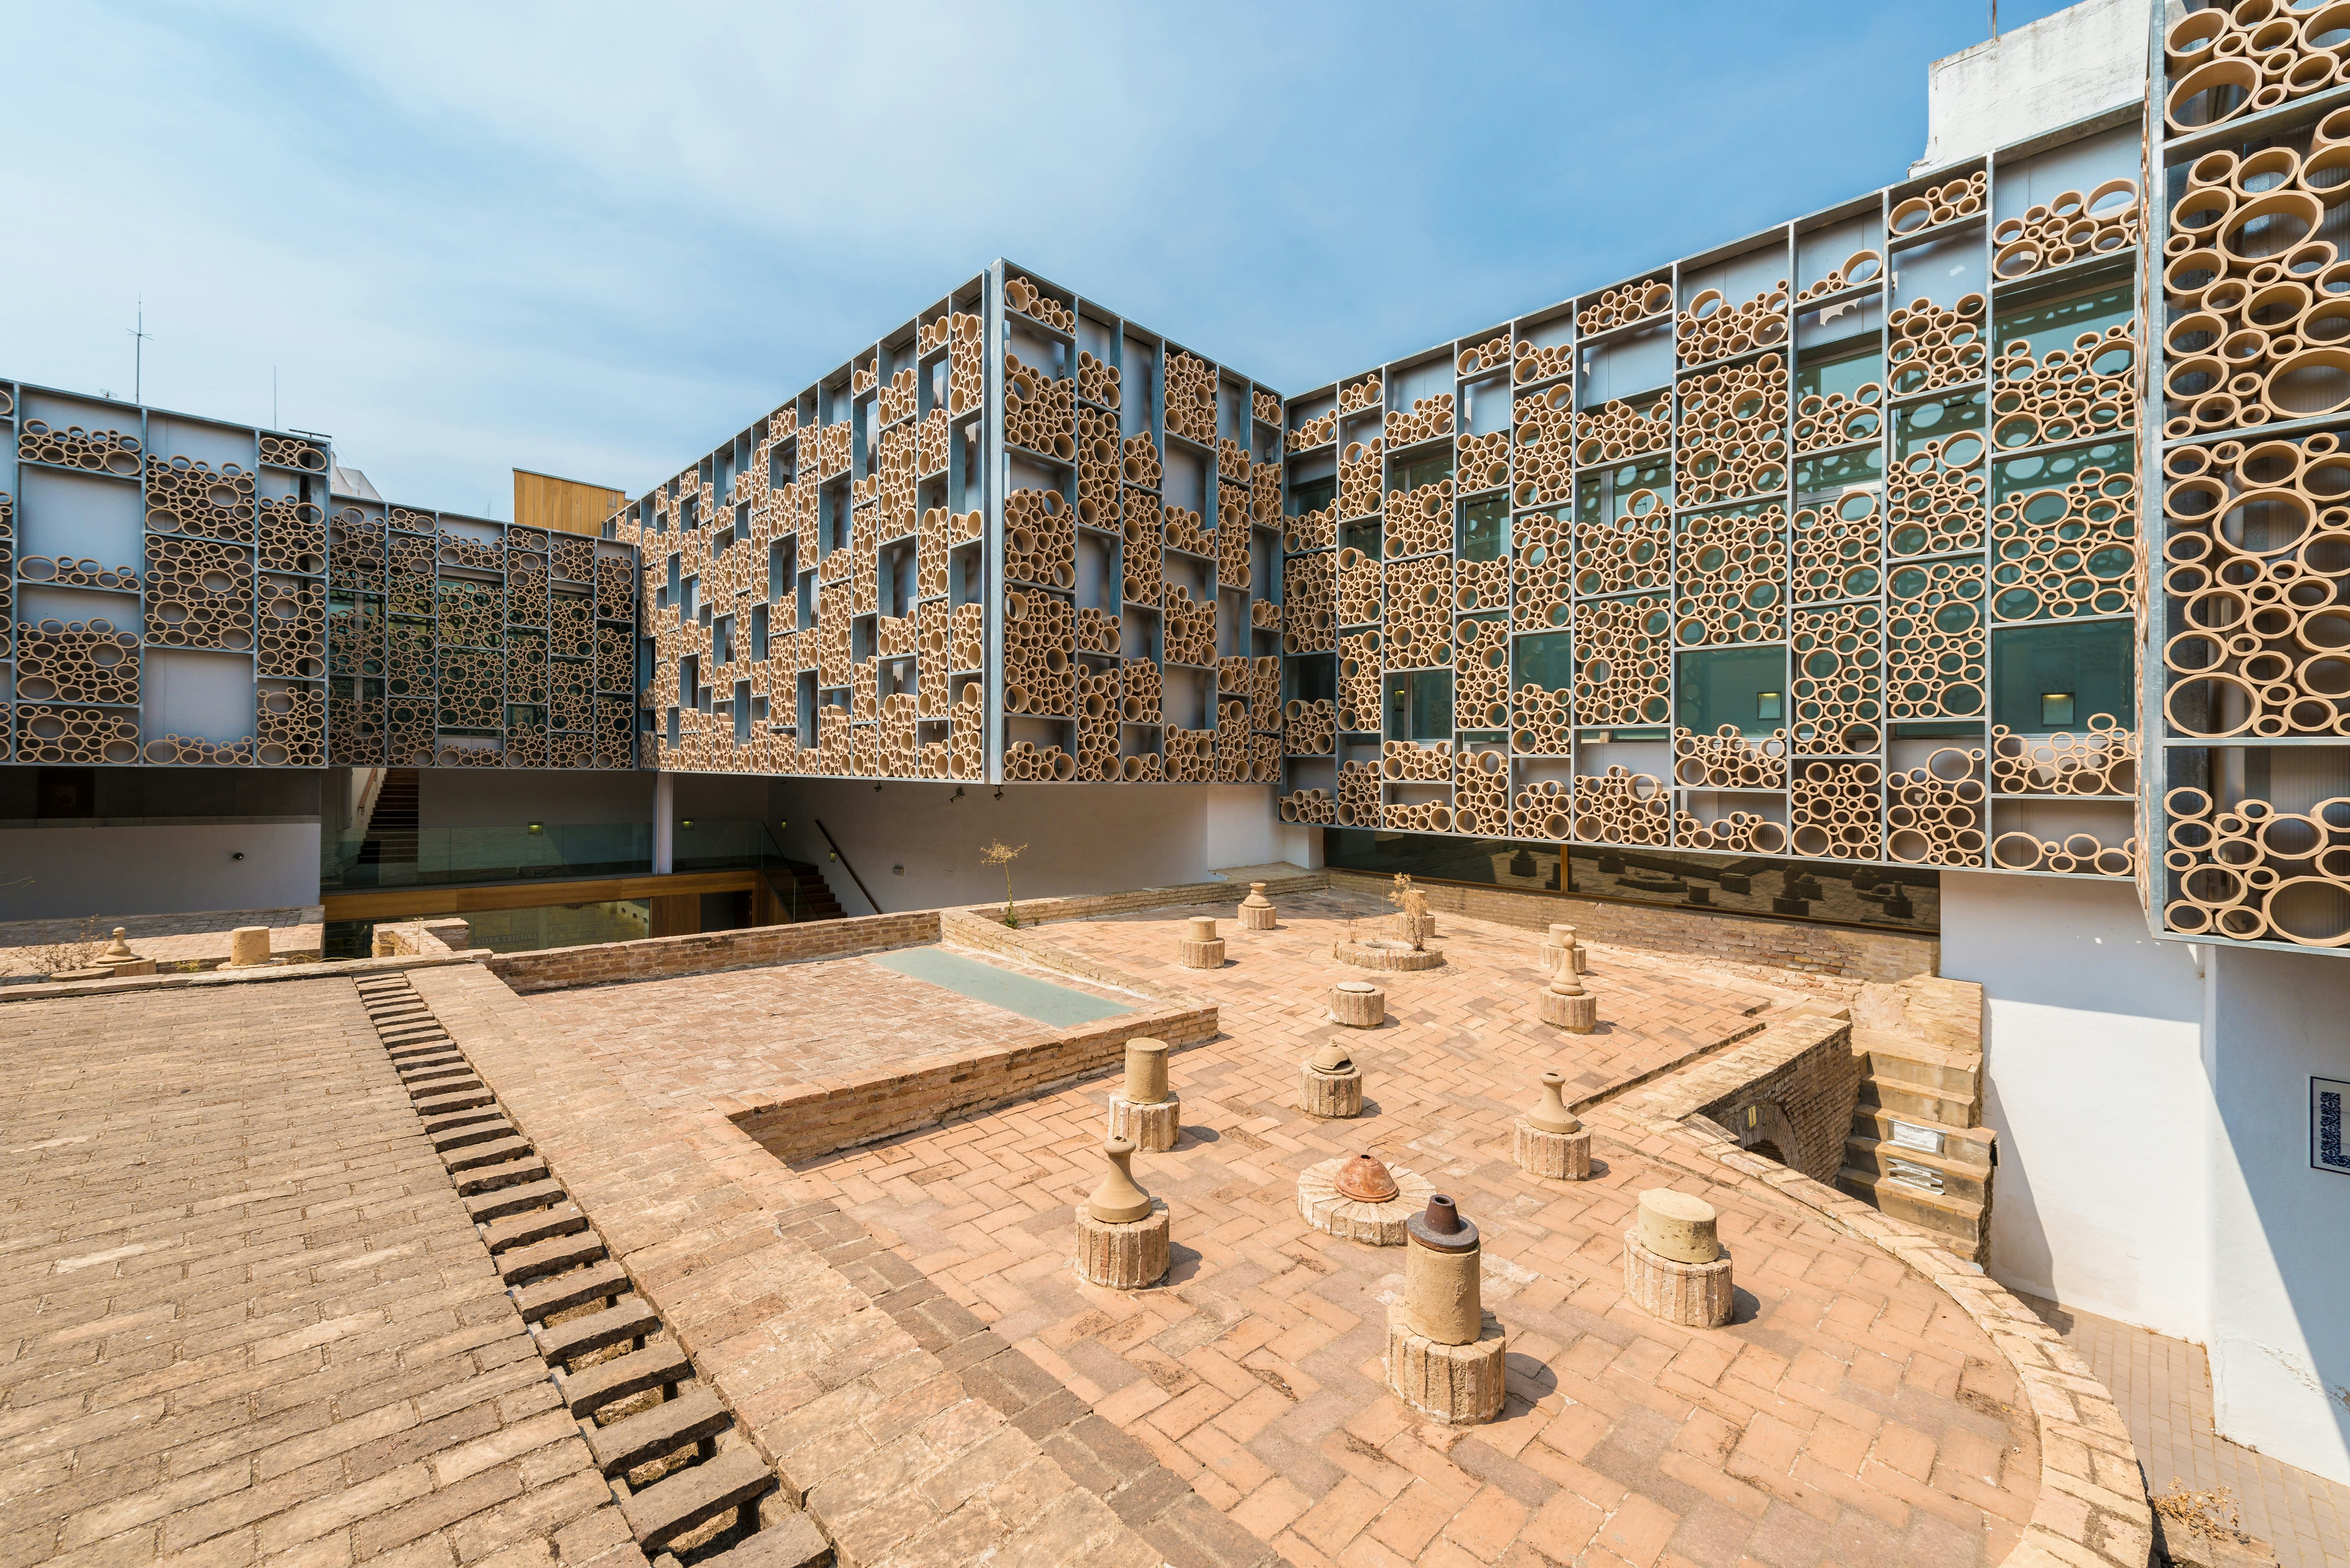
(1123, 1257)
(1358, 1004)
(1556, 1157)
(1694, 1296)
(1454, 1384)
(1576, 1014)
(1331, 1094)
(1151, 1127)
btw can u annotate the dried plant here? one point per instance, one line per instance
(56, 958)
(1002, 854)
(1411, 911)
(2208, 1513)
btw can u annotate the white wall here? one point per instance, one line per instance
(2280, 1339)
(2052, 72)
(1079, 839)
(167, 869)
(2095, 1083)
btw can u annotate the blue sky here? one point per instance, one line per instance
(596, 239)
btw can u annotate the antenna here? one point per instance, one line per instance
(1994, 21)
(273, 399)
(138, 335)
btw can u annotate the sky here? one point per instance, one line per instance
(596, 239)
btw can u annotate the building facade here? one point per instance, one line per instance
(1966, 559)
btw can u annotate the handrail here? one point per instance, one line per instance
(845, 866)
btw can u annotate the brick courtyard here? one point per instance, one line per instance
(279, 1337)
(1851, 1415)
(248, 1316)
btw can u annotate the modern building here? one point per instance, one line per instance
(1966, 560)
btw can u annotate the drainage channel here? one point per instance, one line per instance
(692, 1487)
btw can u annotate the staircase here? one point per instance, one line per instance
(801, 895)
(391, 829)
(1918, 1150)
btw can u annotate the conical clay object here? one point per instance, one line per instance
(1366, 1181)
(1550, 1114)
(1119, 1200)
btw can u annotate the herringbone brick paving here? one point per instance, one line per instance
(246, 1315)
(1851, 1415)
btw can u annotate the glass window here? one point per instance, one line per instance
(1484, 530)
(1743, 687)
(1547, 660)
(2048, 678)
(2050, 325)
(1897, 899)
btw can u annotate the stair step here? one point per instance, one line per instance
(1938, 1212)
(491, 1148)
(514, 1200)
(561, 1293)
(553, 1257)
(1960, 1082)
(1885, 1160)
(460, 1100)
(592, 1389)
(791, 1542)
(1970, 1146)
(471, 1119)
(693, 1415)
(683, 1499)
(628, 1318)
(539, 1225)
(485, 1178)
(1912, 1101)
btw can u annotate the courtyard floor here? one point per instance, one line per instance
(1851, 1414)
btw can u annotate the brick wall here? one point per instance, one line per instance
(1801, 1076)
(819, 1118)
(1837, 950)
(657, 958)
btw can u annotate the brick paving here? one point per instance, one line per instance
(2163, 1387)
(1470, 1027)
(193, 941)
(737, 1037)
(1852, 1414)
(247, 1317)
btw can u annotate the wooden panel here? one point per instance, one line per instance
(676, 915)
(563, 505)
(407, 903)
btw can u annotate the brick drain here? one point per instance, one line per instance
(693, 1491)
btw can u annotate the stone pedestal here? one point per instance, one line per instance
(1577, 1014)
(1151, 1125)
(1386, 953)
(1201, 947)
(1123, 1257)
(1456, 1385)
(248, 947)
(1694, 1296)
(1375, 1225)
(1562, 936)
(1332, 1094)
(1256, 909)
(1674, 1267)
(1358, 1004)
(1558, 1157)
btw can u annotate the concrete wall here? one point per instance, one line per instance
(2093, 1081)
(2056, 71)
(65, 871)
(1079, 839)
(2280, 1232)
(468, 797)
